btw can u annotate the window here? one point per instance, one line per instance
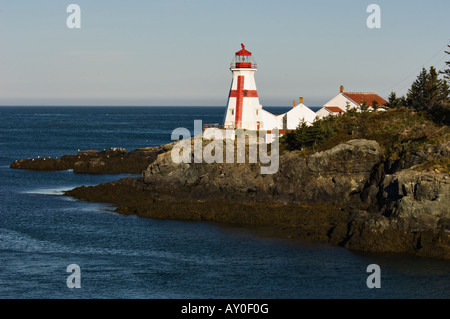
(232, 111)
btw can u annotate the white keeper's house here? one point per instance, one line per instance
(347, 100)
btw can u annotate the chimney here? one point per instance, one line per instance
(293, 103)
(342, 89)
(301, 99)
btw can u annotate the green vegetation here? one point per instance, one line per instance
(398, 131)
(394, 101)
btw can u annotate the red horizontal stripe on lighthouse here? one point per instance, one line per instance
(246, 93)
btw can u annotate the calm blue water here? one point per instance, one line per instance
(41, 233)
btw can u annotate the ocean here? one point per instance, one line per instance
(127, 257)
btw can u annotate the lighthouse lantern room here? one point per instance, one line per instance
(243, 107)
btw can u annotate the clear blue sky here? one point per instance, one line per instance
(178, 52)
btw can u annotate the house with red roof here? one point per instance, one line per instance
(347, 100)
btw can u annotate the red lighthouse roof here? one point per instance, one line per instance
(243, 51)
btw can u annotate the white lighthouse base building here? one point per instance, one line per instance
(289, 120)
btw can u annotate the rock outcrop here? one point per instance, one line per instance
(414, 217)
(109, 161)
(329, 177)
(336, 176)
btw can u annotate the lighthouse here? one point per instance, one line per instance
(243, 107)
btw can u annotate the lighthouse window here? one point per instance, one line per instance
(232, 112)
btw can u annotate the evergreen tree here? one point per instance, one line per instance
(394, 101)
(446, 72)
(391, 100)
(417, 96)
(312, 136)
(364, 106)
(401, 101)
(427, 91)
(374, 105)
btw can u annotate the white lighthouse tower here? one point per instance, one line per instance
(243, 108)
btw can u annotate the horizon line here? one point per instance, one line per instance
(218, 106)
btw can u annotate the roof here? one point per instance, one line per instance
(334, 109)
(369, 97)
(243, 51)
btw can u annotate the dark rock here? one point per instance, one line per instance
(45, 164)
(328, 177)
(109, 161)
(88, 153)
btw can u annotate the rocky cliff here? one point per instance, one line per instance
(331, 177)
